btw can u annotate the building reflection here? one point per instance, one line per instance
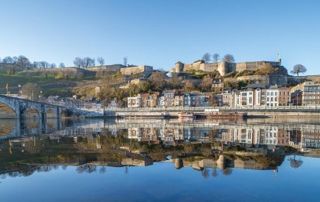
(93, 145)
(299, 137)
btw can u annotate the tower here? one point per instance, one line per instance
(278, 58)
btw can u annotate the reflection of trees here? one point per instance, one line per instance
(48, 152)
(205, 173)
(294, 163)
(214, 172)
(227, 171)
(103, 169)
(86, 168)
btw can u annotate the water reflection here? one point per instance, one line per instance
(137, 157)
(204, 146)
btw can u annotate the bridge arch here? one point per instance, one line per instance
(8, 108)
(31, 112)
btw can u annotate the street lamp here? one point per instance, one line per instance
(19, 90)
(40, 96)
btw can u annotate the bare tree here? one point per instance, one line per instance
(8, 60)
(31, 90)
(15, 59)
(206, 57)
(53, 65)
(294, 163)
(43, 64)
(88, 62)
(189, 86)
(23, 62)
(77, 62)
(62, 65)
(158, 80)
(206, 83)
(228, 58)
(298, 69)
(216, 57)
(100, 60)
(36, 64)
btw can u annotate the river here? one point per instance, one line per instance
(159, 160)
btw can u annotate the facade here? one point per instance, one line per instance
(149, 100)
(311, 94)
(143, 100)
(109, 68)
(170, 98)
(306, 94)
(167, 99)
(196, 100)
(272, 97)
(251, 97)
(142, 69)
(217, 84)
(284, 96)
(227, 99)
(247, 98)
(134, 102)
(296, 98)
(222, 67)
(178, 100)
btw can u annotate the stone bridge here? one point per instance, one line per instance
(21, 106)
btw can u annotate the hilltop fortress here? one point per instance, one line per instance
(222, 67)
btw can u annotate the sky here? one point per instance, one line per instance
(162, 32)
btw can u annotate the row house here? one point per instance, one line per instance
(296, 97)
(134, 102)
(246, 98)
(171, 99)
(143, 100)
(149, 100)
(270, 135)
(306, 94)
(167, 99)
(311, 94)
(193, 99)
(143, 134)
(196, 99)
(272, 97)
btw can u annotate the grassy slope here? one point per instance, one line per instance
(49, 85)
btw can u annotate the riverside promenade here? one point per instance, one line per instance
(202, 111)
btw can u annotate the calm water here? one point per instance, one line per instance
(157, 160)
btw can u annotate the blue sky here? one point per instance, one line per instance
(161, 32)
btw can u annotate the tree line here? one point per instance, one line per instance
(26, 63)
(20, 63)
(215, 57)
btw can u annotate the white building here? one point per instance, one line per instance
(134, 102)
(272, 97)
